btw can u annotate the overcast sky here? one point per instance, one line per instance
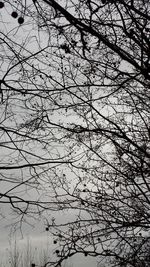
(38, 236)
(39, 240)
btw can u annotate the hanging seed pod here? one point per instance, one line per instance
(1, 4)
(14, 14)
(20, 20)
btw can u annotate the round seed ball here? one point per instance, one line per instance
(14, 14)
(20, 20)
(1, 4)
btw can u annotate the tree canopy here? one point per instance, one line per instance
(75, 124)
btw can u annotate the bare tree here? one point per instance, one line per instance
(75, 99)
